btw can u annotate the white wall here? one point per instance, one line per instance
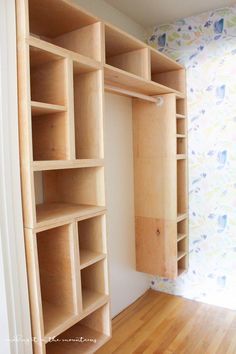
(108, 13)
(126, 284)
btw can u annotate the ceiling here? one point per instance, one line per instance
(154, 12)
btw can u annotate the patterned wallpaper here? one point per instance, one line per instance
(206, 45)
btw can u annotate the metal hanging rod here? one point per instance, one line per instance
(158, 100)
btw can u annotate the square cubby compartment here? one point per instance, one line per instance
(86, 336)
(64, 24)
(47, 77)
(182, 229)
(167, 72)
(61, 194)
(92, 240)
(57, 273)
(94, 283)
(126, 53)
(181, 144)
(88, 108)
(181, 187)
(50, 136)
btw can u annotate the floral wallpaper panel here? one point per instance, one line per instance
(206, 45)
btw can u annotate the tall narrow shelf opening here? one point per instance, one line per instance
(182, 229)
(181, 144)
(47, 77)
(182, 265)
(181, 126)
(61, 194)
(124, 52)
(56, 276)
(64, 24)
(181, 187)
(181, 107)
(94, 285)
(95, 328)
(167, 72)
(88, 112)
(92, 242)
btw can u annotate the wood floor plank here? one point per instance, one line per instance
(160, 323)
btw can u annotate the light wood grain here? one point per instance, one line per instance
(162, 323)
(66, 164)
(135, 62)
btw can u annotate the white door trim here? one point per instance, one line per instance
(14, 304)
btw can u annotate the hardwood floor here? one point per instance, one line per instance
(164, 324)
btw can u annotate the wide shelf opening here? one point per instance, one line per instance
(167, 72)
(94, 329)
(88, 108)
(64, 24)
(92, 240)
(181, 145)
(181, 187)
(61, 194)
(125, 53)
(47, 77)
(94, 285)
(55, 260)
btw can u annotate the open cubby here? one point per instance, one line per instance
(180, 126)
(181, 187)
(88, 114)
(180, 106)
(65, 25)
(167, 72)
(182, 264)
(50, 137)
(181, 145)
(47, 77)
(56, 276)
(182, 229)
(125, 53)
(84, 337)
(92, 242)
(94, 285)
(182, 246)
(69, 192)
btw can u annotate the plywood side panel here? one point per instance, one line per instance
(155, 250)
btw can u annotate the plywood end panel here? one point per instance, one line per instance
(155, 252)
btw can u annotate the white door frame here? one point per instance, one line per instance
(15, 331)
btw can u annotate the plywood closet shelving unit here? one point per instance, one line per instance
(65, 56)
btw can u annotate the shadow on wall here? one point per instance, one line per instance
(206, 45)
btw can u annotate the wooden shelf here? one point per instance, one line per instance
(91, 299)
(181, 271)
(181, 217)
(181, 254)
(181, 157)
(167, 72)
(181, 237)
(55, 259)
(94, 285)
(90, 327)
(180, 116)
(55, 319)
(181, 136)
(123, 79)
(66, 164)
(41, 109)
(88, 258)
(50, 213)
